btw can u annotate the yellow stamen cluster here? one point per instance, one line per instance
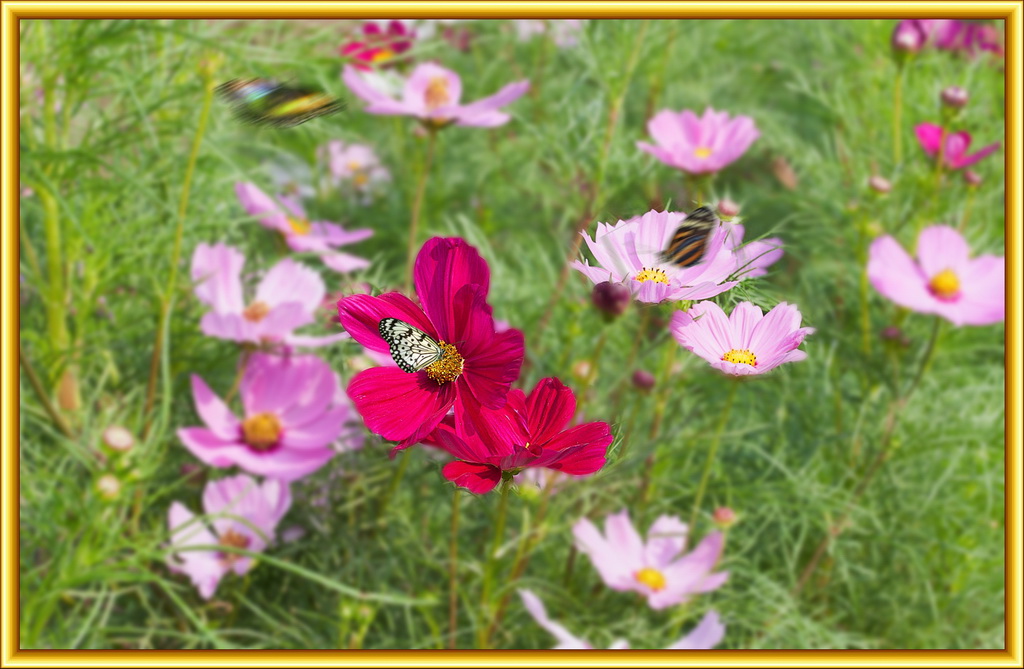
(652, 578)
(945, 285)
(437, 94)
(299, 226)
(232, 539)
(448, 368)
(744, 356)
(383, 54)
(653, 274)
(256, 312)
(261, 431)
(702, 151)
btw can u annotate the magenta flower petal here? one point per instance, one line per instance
(478, 479)
(360, 315)
(550, 407)
(443, 267)
(490, 373)
(966, 161)
(397, 405)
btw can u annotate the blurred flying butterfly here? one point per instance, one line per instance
(690, 241)
(267, 102)
(412, 348)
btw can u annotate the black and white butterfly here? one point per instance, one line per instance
(412, 348)
(691, 239)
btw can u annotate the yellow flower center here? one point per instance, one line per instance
(256, 312)
(650, 577)
(945, 285)
(383, 54)
(656, 275)
(448, 367)
(360, 178)
(702, 152)
(353, 165)
(261, 431)
(299, 226)
(437, 94)
(744, 356)
(232, 539)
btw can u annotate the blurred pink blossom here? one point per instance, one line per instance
(432, 94)
(564, 33)
(699, 145)
(240, 513)
(944, 280)
(379, 46)
(752, 258)
(955, 155)
(355, 165)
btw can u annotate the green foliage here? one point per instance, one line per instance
(109, 114)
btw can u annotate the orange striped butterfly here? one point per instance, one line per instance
(690, 240)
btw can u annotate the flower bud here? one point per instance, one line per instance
(117, 438)
(972, 178)
(611, 298)
(728, 209)
(582, 369)
(643, 379)
(724, 517)
(954, 97)
(108, 487)
(879, 184)
(907, 37)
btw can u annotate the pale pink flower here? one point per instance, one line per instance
(240, 513)
(657, 569)
(286, 299)
(302, 235)
(631, 252)
(944, 280)
(355, 165)
(564, 33)
(699, 145)
(745, 343)
(432, 94)
(294, 412)
(706, 635)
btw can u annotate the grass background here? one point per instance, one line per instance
(109, 114)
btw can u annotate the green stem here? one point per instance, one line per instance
(709, 462)
(40, 391)
(967, 209)
(897, 117)
(663, 388)
(453, 572)
(499, 535)
(172, 279)
(417, 207)
(396, 478)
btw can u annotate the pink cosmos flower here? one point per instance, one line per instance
(378, 46)
(752, 258)
(240, 513)
(706, 635)
(745, 343)
(286, 299)
(631, 251)
(300, 234)
(564, 33)
(294, 412)
(947, 34)
(955, 156)
(944, 280)
(657, 569)
(355, 164)
(529, 431)
(699, 145)
(479, 365)
(432, 94)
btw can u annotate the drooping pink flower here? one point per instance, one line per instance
(706, 635)
(745, 343)
(294, 414)
(944, 280)
(240, 513)
(379, 46)
(929, 136)
(479, 365)
(286, 299)
(631, 252)
(752, 258)
(529, 431)
(290, 220)
(355, 165)
(699, 145)
(657, 568)
(432, 94)
(966, 37)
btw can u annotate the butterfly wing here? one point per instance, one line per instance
(690, 241)
(411, 348)
(266, 102)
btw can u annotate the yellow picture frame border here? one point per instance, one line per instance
(12, 12)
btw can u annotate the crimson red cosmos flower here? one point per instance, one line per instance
(478, 367)
(379, 47)
(529, 431)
